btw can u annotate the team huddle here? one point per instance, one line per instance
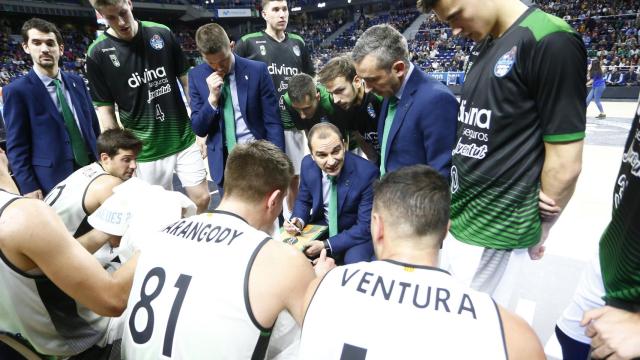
(430, 204)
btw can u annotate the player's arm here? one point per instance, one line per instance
(522, 342)
(6, 182)
(107, 117)
(272, 121)
(101, 95)
(34, 232)
(560, 171)
(95, 239)
(184, 81)
(615, 333)
(97, 192)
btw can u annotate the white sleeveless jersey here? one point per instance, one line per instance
(389, 310)
(67, 198)
(32, 307)
(190, 297)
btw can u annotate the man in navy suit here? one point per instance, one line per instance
(232, 100)
(50, 121)
(332, 175)
(417, 124)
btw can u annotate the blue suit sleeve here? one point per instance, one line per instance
(304, 201)
(360, 232)
(272, 122)
(440, 131)
(203, 117)
(18, 129)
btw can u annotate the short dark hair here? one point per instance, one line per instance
(383, 42)
(340, 66)
(417, 197)
(112, 140)
(211, 38)
(426, 6)
(42, 26)
(322, 131)
(300, 86)
(256, 169)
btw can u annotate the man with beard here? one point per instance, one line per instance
(50, 122)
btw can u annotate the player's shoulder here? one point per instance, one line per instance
(295, 38)
(101, 42)
(252, 36)
(542, 24)
(154, 25)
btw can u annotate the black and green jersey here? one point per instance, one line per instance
(364, 119)
(521, 90)
(141, 77)
(620, 243)
(283, 58)
(326, 111)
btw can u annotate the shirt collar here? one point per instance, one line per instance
(46, 80)
(404, 82)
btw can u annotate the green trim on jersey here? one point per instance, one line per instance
(564, 137)
(296, 37)
(621, 280)
(101, 103)
(501, 215)
(542, 24)
(251, 35)
(95, 42)
(326, 101)
(154, 24)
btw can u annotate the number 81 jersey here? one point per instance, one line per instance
(189, 298)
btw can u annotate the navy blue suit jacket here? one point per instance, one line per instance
(258, 104)
(424, 127)
(355, 199)
(38, 144)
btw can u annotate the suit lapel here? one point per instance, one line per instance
(403, 107)
(317, 206)
(344, 181)
(41, 92)
(242, 85)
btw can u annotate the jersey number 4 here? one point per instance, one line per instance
(143, 336)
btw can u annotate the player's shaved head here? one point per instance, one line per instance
(322, 131)
(255, 170)
(300, 87)
(415, 200)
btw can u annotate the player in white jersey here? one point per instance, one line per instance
(47, 279)
(79, 195)
(402, 306)
(212, 285)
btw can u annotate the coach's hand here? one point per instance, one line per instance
(323, 264)
(214, 83)
(314, 248)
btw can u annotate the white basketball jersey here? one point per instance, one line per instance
(390, 310)
(67, 198)
(32, 307)
(190, 297)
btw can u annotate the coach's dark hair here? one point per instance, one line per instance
(383, 42)
(416, 197)
(300, 86)
(211, 38)
(42, 26)
(112, 140)
(322, 131)
(256, 169)
(426, 6)
(340, 66)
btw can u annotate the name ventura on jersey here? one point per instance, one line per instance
(420, 296)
